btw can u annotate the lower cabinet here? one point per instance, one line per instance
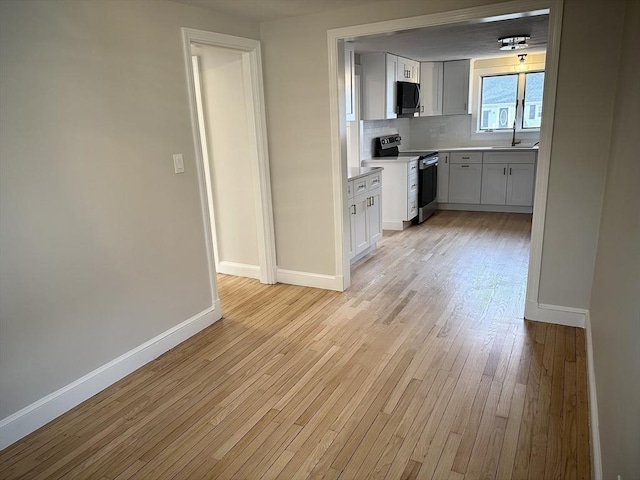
(465, 182)
(365, 212)
(508, 184)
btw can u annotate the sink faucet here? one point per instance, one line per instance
(514, 142)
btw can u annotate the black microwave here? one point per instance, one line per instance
(408, 99)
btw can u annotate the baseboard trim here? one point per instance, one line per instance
(395, 225)
(316, 280)
(472, 207)
(596, 454)
(239, 269)
(568, 316)
(29, 419)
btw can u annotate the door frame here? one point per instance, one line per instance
(259, 157)
(505, 10)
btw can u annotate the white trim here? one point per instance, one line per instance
(503, 10)
(568, 316)
(471, 207)
(398, 225)
(305, 279)
(239, 269)
(544, 152)
(596, 454)
(16, 426)
(254, 99)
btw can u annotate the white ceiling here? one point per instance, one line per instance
(458, 41)
(265, 10)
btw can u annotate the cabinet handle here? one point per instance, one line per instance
(373, 201)
(509, 171)
(353, 209)
(465, 107)
(465, 158)
(422, 111)
(464, 166)
(504, 171)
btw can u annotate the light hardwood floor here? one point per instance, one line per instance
(423, 369)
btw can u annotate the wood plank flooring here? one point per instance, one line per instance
(423, 369)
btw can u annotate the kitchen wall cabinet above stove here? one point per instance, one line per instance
(407, 70)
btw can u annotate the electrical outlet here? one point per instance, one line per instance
(178, 163)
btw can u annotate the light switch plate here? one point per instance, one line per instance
(178, 163)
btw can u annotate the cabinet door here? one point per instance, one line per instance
(456, 87)
(430, 89)
(520, 184)
(415, 71)
(374, 212)
(494, 184)
(359, 224)
(403, 70)
(443, 178)
(349, 81)
(391, 68)
(465, 182)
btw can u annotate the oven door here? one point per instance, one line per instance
(427, 181)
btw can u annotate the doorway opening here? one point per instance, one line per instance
(472, 17)
(228, 121)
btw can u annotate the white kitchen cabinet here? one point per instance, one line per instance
(407, 70)
(365, 212)
(431, 79)
(349, 82)
(508, 178)
(378, 86)
(494, 184)
(443, 177)
(400, 199)
(520, 184)
(455, 87)
(465, 182)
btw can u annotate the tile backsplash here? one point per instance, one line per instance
(433, 133)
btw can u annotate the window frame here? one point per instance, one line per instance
(507, 66)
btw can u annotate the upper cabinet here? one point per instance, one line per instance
(349, 81)
(431, 78)
(378, 83)
(444, 88)
(407, 70)
(456, 87)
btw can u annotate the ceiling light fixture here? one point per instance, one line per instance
(514, 43)
(523, 58)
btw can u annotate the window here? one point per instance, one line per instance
(498, 101)
(534, 83)
(501, 96)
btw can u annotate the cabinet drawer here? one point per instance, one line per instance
(359, 186)
(374, 181)
(412, 208)
(466, 157)
(412, 167)
(412, 185)
(349, 189)
(510, 157)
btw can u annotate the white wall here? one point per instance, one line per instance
(297, 94)
(582, 130)
(615, 297)
(229, 154)
(102, 244)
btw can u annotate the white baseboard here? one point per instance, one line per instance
(399, 225)
(239, 269)
(317, 280)
(472, 207)
(596, 455)
(568, 316)
(23, 422)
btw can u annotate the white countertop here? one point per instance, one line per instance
(357, 172)
(405, 159)
(473, 149)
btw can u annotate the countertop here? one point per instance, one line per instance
(473, 149)
(357, 172)
(403, 158)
